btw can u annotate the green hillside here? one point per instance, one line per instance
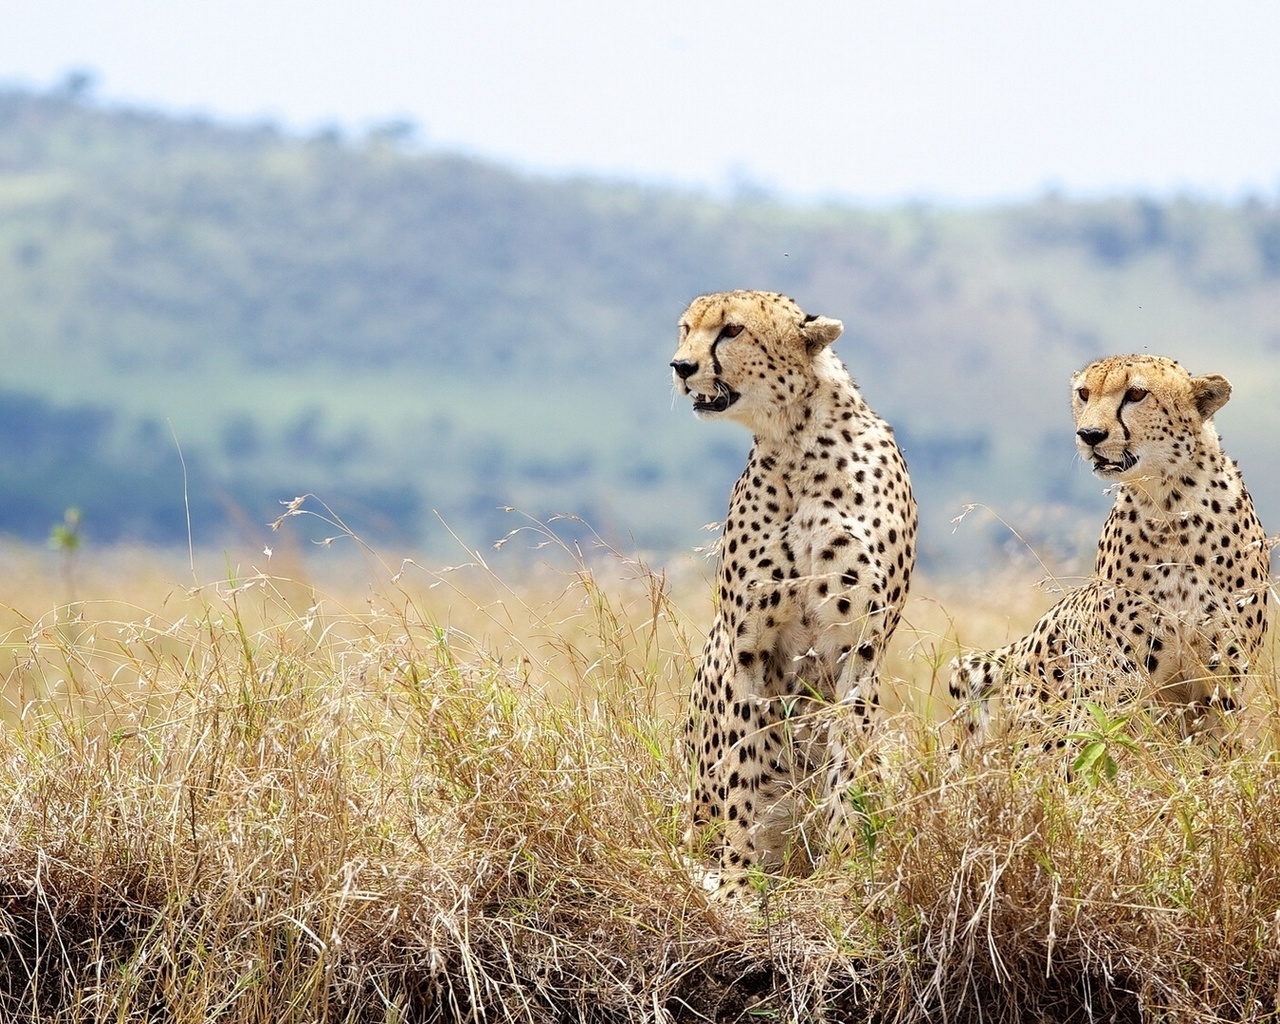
(406, 333)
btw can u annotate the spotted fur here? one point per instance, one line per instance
(815, 560)
(1176, 610)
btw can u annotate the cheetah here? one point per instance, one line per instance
(1176, 608)
(815, 559)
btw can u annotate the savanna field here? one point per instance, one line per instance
(338, 786)
(319, 782)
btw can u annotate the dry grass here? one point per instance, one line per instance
(438, 797)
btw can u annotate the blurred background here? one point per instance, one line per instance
(424, 260)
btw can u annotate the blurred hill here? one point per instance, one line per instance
(407, 333)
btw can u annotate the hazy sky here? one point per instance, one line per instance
(865, 99)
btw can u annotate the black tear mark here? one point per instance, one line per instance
(1124, 400)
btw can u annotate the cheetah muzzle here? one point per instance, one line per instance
(724, 397)
(1104, 467)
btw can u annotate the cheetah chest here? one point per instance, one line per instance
(1184, 592)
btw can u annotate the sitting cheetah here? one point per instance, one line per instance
(1177, 606)
(815, 560)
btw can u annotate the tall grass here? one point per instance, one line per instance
(437, 795)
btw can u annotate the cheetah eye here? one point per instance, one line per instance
(1082, 394)
(730, 330)
(1135, 394)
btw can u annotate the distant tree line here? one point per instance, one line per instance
(420, 336)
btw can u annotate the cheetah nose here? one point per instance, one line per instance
(685, 368)
(1091, 435)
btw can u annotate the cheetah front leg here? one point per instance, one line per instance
(1196, 677)
(854, 608)
(852, 765)
(760, 772)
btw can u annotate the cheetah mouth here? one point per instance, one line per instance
(724, 397)
(1111, 467)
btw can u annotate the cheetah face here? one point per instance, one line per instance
(718, 396)
(1138, 417)
(746, 355)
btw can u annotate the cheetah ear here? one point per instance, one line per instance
(1210, 393)
(819, 331)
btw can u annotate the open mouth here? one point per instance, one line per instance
(1110, 467)
(719, 402)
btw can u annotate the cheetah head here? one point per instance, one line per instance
(1143, 417)
(748, 355)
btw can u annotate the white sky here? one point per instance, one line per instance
(871, 100)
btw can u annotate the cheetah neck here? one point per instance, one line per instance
(831, 399)
(1208, 475)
